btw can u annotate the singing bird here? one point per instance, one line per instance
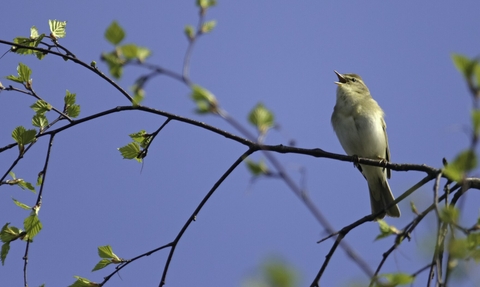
(358, 122)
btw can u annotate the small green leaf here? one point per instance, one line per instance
(12, 174)
(73, 111)
(9, 233)
(395, 279)
(106, 252)
(114, 33)
(129, 51)
(130, 151)
(143, 53)
(39, 120)
(4, 252)
(114, 63)
(190, 32)
(205, 100)
(57, 28)
(476, 121)
(83, 282)
(279, 274)
(139, 137)
(22, 205)
(102, 264)
(257, 168)
(69, 98)
(261, 118)
(22, 41)
(413, 207)
(463, 163)
(385, 229)
(26, 185)
(22, 136)
(458, 248)
(40, 178)
(449, 214)
(32, 225)
(14, 78)
(24, 72)
(138, 95)
(464, 65)
(41, 107)
(206, 3)
(208, 26)
(33, 33)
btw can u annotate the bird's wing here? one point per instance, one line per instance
(387, 152)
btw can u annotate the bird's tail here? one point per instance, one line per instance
(380, 197)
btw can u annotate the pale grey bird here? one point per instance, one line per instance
(358, 122)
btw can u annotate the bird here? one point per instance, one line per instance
(358, 122)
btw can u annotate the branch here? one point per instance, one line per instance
(75, 60)
(193, 216)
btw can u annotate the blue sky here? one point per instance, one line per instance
(279, 53)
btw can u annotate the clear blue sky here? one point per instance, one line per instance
(280, 53)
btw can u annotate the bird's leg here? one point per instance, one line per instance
(355, 161)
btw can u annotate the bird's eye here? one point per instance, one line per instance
(354, 80)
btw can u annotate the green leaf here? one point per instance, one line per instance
(129, 51)
(57, 28)
(279, 274)
(476, 121)
(33, 33)
(138, 95)
(26, 185)
(102, 264)
(143, 53)
(106, 252)
(142, 137)
(14, 78)
(24, 72)
(139, 137)
(22, 136)
(257, 168)
(40, 178)
(114, 33)
(114, 63)
(458, 248)
(40, 55)
(261, 118)
(208, 26)
(32, 225)
(83, 282)
(130, 151)
(12, 174)
(205, 100)
(9, 233)
(190, 32)
(39, 120)
(73, 111)
(449, 214)
(22, 41)
(206, 3)
(464, 65)
(70, 98)
(395, 279)
(463, 163)
(41, 107)
(4, 252)
(22, 205)
(385, 229)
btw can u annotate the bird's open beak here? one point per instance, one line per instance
(341, 79)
